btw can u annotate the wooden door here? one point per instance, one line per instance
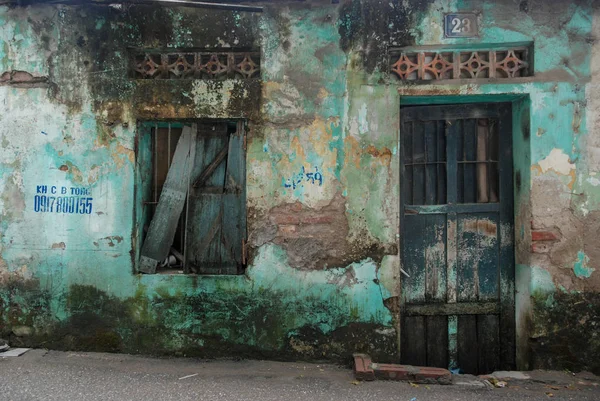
(216, 223)
(457, 237)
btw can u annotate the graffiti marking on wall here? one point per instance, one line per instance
(302, 176)
(69, 200)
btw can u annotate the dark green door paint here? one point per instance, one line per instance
(457, 237)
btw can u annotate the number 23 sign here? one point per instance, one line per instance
(460, 25)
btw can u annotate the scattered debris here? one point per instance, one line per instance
(3, 345)
(14, 352)
(468, 382)
(488, 385)
(507, 375)
(495, 382)
(188, 376)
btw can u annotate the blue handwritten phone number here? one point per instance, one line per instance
(62, 204)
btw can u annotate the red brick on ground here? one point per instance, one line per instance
(362, 367)
(365, 369)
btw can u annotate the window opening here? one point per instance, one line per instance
(425, 163)
(477, 160)
(197, 191)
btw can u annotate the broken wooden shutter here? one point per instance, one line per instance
(217, 209)
(170, 205)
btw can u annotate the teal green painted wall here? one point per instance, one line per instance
(326, 102)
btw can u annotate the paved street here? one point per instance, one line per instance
(43, 375)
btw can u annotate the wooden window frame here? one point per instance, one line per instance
(149, 257)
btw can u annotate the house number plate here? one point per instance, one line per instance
(460, 25)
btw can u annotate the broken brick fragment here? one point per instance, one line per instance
(392, 372)
(365, 369)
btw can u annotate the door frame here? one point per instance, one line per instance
(507, 280)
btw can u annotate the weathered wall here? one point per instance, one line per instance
(555, 222)
(323, 278)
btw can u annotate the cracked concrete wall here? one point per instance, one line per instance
(323, 279)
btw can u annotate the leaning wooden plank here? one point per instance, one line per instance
(211, 168)
(234, 218)
(170, 205)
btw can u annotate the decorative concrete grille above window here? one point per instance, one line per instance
(429, 64)
(196, 65)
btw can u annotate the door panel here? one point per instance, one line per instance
(217, 214)
(477, 262)
(425, 251)
(437, 340)
(415, 353)
(457, 241)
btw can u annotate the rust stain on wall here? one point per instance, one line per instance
(481, 226)
(385, 154)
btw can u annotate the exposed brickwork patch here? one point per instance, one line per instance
(545, 235)
(543, 238)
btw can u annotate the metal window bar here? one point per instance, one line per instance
(154, 167)
(425, 162)
(478, 170)
(162, 170)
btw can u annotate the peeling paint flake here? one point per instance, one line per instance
(581, 267)
(557, 161)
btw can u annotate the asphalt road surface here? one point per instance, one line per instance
(51, 375)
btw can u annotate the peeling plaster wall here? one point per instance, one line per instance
(323, 277)
(69, 279)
